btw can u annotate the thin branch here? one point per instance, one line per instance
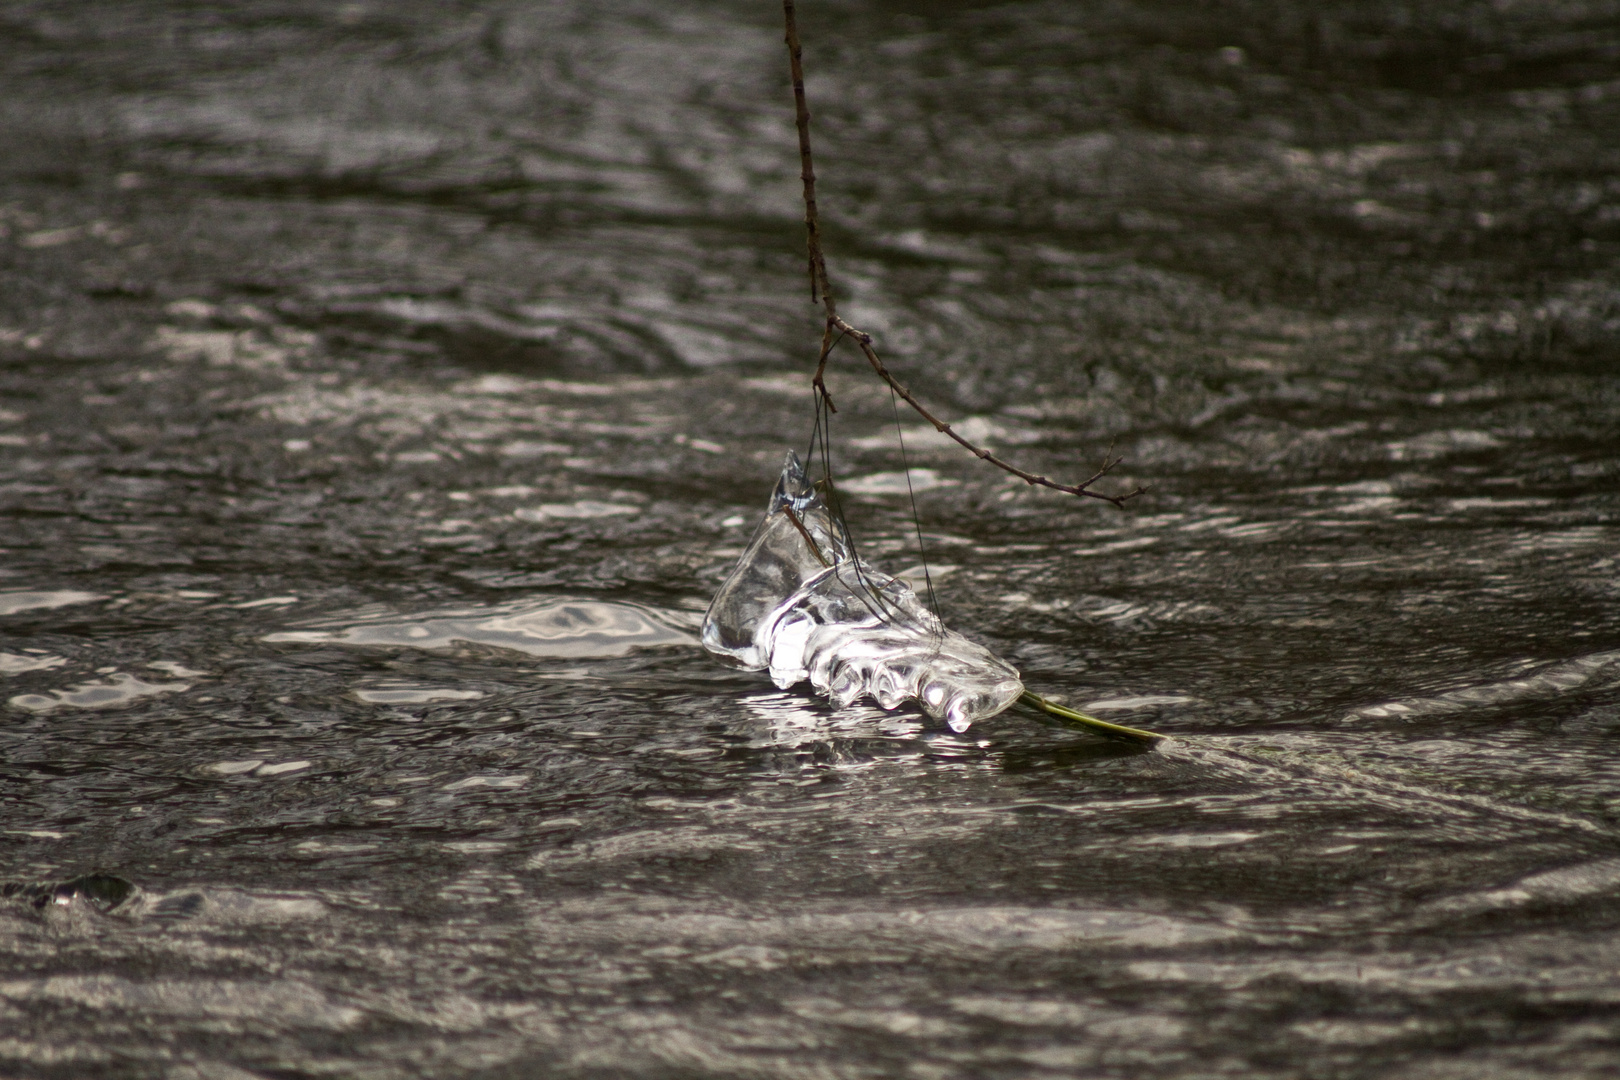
(819, 382)
(821, 292)
(865, 342)
(807, 172)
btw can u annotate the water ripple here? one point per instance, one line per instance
(548, 628)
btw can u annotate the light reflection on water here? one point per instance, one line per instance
(384, 389)
(546, 628)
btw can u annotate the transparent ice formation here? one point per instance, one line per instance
(801, 604)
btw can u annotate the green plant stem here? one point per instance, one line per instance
(1102, 727)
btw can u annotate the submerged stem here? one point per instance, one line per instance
(1102, 727)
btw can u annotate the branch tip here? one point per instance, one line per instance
(821, 292)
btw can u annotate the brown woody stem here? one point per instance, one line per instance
(821, 292)
(807, 171)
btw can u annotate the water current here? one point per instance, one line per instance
(386, 388)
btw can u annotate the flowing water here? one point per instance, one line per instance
(385, 389)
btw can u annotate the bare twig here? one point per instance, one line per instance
(815, 548)
(821, 292)
(865, 343)
(807, 171)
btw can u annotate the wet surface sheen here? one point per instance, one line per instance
(385, 389)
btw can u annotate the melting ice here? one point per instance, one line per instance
(802, 605)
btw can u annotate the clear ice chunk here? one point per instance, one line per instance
(801, 605)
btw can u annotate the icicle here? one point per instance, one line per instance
(800, 604)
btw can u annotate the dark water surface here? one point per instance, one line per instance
(385, 387)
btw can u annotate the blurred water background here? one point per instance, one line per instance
(385, 388)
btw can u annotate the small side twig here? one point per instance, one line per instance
(1109, 461)
(807, 171)
(821, 291)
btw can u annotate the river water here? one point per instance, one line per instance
(386, 387)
